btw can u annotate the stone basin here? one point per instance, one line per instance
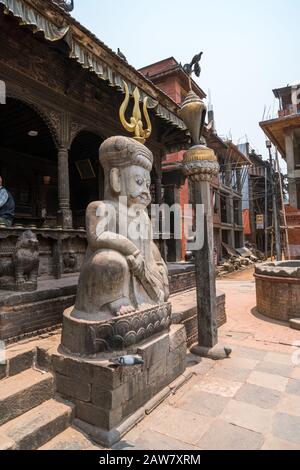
(278, 290)
(289, 269)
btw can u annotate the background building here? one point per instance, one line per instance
(256, 192)
(284, 133)
(170, 77)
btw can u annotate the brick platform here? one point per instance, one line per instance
(184, 312)
(31, 313)
(182, 277)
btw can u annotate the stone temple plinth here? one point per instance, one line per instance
(110, 400)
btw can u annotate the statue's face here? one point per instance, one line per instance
(135, 185)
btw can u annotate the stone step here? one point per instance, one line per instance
(18, 358)
(6, 444)
(295, 323)
(23, 392)
(71, 439)
(39, 425)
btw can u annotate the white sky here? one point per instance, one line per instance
(249, 49)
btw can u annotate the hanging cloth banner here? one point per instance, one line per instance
(246, 222)
(29, 17)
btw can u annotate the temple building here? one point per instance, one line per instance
(256, 191)
(284, 133)
(57, 114)
(170, 77)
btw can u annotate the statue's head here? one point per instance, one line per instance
(127, 165)
(27, 240)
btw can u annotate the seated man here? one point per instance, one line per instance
(7, 206)
(123, 270)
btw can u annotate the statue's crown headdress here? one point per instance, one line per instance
(135, 125)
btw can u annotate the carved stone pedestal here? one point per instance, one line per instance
(114, 333)
(111, 399)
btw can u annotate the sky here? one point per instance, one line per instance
(249, 49)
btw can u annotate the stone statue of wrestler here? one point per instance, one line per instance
(121, 273)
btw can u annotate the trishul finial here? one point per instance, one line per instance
(136, 124)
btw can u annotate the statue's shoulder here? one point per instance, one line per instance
(100, 209)
(95, 206)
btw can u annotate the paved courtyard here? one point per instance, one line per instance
(250, 401)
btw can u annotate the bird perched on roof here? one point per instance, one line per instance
(121, 55)
(70, 5)
(67, 5)
(194, 66)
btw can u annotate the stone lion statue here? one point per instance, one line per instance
(22, 271)
(26, 260)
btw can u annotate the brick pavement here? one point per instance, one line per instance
(245, 325)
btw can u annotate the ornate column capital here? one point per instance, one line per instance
(200, 163)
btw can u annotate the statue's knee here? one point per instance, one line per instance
(110, 263)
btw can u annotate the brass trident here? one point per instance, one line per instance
(136, 124)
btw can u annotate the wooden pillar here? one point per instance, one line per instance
(290, 159)
(201, 165)
(230, 219)
(64, 189)
(178, 243)
(158, 200)
(158, 190)
(205, 272)
(57, 254)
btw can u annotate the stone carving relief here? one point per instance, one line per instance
(56, 120)
(70, 261)
(131, 330)
(117, 334)
(75, 128)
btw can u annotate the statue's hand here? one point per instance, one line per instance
(136, 265)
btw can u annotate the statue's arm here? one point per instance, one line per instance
(162, 269)
(99, 235)
(158, 258)
(112, 241)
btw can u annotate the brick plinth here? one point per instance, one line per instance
(30, 313)
(180, 282)
(184, 308)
